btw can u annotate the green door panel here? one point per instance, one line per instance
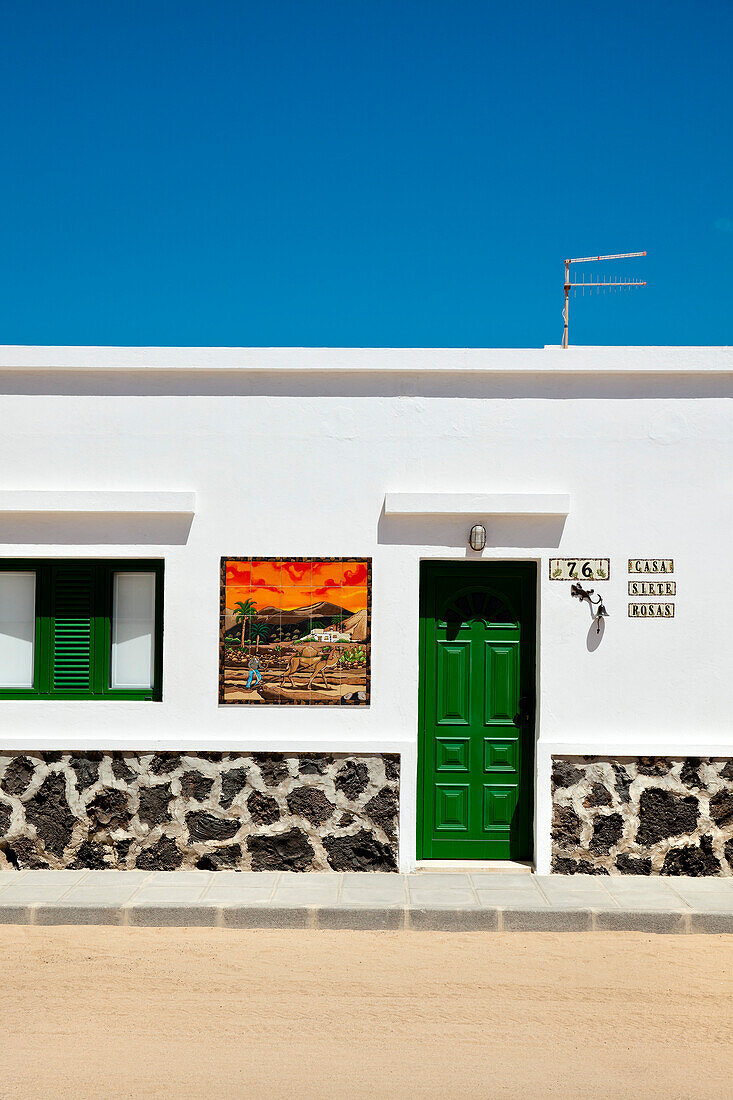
(453, 683)
(501, 691)
(452, 754)
(451, 807)
(476, 743)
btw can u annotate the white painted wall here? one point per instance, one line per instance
(291, 452)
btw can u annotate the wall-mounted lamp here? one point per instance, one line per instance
(477, 537)
(581, 593)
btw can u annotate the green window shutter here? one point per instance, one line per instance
(74, 608)
(72, 627)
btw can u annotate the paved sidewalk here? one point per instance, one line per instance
(442, 901)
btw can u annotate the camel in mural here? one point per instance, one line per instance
(310, 660)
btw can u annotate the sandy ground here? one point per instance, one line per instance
(113, 1013)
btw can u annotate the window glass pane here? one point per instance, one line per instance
(133, 630)
(17, 629)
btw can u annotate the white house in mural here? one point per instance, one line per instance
(331, 636)
(559, 698)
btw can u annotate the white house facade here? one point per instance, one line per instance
(482, 710)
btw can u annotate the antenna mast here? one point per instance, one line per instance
(617, 284)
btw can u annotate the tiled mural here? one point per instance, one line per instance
(295, 631)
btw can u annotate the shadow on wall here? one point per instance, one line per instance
(437, 530)
(558, 386)
(594, 637)
(102, 528)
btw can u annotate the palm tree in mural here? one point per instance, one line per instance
(244, 613)
(260, 631)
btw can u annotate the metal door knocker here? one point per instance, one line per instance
(581, 593)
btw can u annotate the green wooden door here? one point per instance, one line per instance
(476, 748)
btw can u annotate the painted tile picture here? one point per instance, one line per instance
(295, 631)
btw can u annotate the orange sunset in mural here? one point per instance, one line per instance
(290, 584)
(295, 630)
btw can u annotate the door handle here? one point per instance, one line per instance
(526, 710)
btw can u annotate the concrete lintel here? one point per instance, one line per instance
(476, 504)
(95, 501)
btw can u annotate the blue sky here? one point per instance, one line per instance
(339, 172)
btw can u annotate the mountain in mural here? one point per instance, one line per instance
(320, 610)
(357, 625)
(299, 618)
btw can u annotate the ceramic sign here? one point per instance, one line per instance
(651, 610)
(580, 569)
(651, 565)
(652, 588)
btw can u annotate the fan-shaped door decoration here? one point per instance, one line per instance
(473, 604)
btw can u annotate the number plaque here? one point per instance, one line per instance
(580, 569)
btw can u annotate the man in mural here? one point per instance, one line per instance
(254, 672)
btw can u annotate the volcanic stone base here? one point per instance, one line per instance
(212, 811)
(642, 816)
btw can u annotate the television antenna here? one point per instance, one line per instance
(614, 284)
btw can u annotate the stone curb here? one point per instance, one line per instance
(15, 914)
(665, 922)
(546, 920)
(371, 918)
(175, 915)
(390, 919)
(59, 913)
(453, 920)
(266, 916)
(713, 922)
